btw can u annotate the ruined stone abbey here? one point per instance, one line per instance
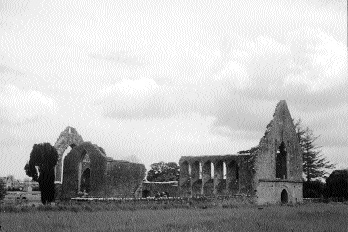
(268, 173)
(271, 172)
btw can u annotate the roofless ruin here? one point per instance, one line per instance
(271, 172)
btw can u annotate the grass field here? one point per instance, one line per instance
(96, 217)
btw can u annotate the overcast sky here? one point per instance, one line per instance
(163, 79)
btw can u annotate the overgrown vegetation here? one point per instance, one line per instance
(71, 170)
(45, 157)
(162, 172)
(124, 178)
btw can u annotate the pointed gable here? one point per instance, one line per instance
(280, 130)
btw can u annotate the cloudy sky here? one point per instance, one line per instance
(162, 79)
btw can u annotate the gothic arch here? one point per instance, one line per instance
(67, 138)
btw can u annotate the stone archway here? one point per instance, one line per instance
(284, 197)
(67, 138)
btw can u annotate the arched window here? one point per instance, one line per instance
(281, 169)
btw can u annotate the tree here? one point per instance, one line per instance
(2, 189)
(314, 163)
(162, 172)
(40, 167)
(337, 184)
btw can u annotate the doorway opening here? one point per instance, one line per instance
(284, 197)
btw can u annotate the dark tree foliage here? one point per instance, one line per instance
(40, 167)
(337, 184)
(313, 189)
(162, 172)
(2, 189)
(314, 163)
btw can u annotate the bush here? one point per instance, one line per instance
(2, 189)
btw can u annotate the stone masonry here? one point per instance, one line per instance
(67, 138)
(268, 173)
(87, 169)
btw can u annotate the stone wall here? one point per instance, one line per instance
(149, 189)
(74, 165)
(280, 130)
(104, 177)
(257, 172)
(67, 138)
(123, 178)
(232, 175)
(271, 192)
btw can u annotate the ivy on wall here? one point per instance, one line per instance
(124, 178)
(71, 169)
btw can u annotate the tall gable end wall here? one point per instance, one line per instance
(280, 129)
(269, 186)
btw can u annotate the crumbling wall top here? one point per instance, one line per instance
(67, 138)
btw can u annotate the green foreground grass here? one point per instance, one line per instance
(199, 217)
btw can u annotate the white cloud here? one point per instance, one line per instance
(18, 105)
(319, 61)
(194, 78)
(235, 74)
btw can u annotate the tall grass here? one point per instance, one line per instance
(105, 216)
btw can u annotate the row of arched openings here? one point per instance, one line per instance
(199, 177)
